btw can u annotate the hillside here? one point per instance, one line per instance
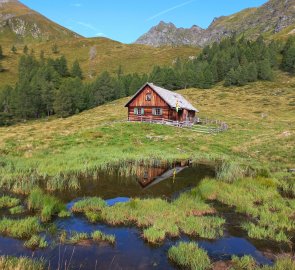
(94, 138)
(109, 55)
(276, 19)
(19, 24)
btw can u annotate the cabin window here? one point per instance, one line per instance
(157, 111)
(148, 97)
(139, 111)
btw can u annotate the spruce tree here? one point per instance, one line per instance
(26, 49)
(54, 49)
(264, 70)
(288, 61)
(231, 78)
(208, 80)
(76, 71)
(252, 72)
(13, 49)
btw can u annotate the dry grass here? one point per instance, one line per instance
(110, 55)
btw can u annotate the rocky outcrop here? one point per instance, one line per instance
(270, 18)
(21, 23)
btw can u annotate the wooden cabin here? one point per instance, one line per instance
(154, 103)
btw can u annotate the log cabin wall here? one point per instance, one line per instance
(156, 101)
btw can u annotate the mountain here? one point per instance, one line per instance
(273, 18)
(18, 23)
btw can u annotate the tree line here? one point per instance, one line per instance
(49, 86)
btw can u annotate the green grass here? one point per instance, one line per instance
(20, 228)
(258, 198)
(36, 241)
(59, 150)
(21, 263)
(17, 210)
(158, 218)
(80, 237)
(8, 202)
(47, 205)
(89, 204)
(100, 236)
(189, 256)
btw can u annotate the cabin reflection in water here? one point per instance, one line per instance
(149, 176)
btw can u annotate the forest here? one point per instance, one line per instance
(49, 86)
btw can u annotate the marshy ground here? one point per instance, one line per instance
(240, 203)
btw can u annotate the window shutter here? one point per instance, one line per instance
(135, 111)
(154, 111)
(142, 111)
(161, 111)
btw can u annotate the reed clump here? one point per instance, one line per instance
(47, 205)
(189, 256)
(8, 202)
(36, 241)
(21, 263)
(20, 228)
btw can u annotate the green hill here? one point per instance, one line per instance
(261, 118)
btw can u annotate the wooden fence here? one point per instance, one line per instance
(201, 125)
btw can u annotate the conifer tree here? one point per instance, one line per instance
(13, 49)
(264, 70)
(26, 49)
(76, 71)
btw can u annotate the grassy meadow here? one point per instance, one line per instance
(261, 137)
(109, 55)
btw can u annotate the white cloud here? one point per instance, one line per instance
(100, 35)
(87, 25)
(77, 5)
(169, 9)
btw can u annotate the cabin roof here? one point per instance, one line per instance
(169, 97)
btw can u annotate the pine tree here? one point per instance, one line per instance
(264, 70)
(42, 55)
(252, 72)
(61, 66)
(288, 62)
(208, 78)
(54, 49)
(231, 78)
(13, 49)
(242, 75)
(26, 49)
(76, 71)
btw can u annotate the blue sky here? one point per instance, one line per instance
(126, 20)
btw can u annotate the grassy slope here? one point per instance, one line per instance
(110, 54)
(261, 117)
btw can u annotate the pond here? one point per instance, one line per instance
(130, 250)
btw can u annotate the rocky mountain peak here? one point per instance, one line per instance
(271, 18)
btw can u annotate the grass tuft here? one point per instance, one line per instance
(189, 256)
